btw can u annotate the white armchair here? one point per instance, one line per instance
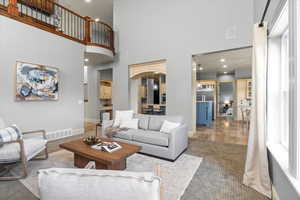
(21, 151)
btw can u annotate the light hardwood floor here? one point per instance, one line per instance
(225, 131)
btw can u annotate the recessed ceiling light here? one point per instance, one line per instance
(225, 72)
(97, 20)
(156, 72)
(86, 60)
(201, 68)
(88, 1)
(224, 66)
(222, 60)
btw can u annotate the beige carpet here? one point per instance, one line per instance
(176, 176)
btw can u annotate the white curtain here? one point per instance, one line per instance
(256, 173)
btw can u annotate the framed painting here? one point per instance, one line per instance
(36, 82)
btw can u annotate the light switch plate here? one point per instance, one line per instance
(231, 33)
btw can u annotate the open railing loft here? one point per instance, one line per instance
(53, 17)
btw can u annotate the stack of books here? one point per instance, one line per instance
(107, 146)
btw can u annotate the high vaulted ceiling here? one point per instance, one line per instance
(233, 59)
(102, 9)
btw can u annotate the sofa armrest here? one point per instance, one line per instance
(97, 184)
(42, 132)
(22, 149)
(106, 124)
(178, 140)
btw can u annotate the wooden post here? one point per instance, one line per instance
(87, 31)
(13, 8)
(112, 42)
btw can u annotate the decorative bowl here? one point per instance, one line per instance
(91, 140)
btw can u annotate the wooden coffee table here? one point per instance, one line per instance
(83, 154)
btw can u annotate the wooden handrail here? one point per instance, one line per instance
(65, 23)
(101, 22)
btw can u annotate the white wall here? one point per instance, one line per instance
(175, 30)
(20, 42)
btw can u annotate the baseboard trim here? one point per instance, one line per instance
(191, 133)
(61, 134)
(92, 120)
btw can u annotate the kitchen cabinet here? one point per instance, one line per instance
(105, 90)
(204, 113)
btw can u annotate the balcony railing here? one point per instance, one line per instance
(53, 17)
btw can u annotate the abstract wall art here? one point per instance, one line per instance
(36, 82)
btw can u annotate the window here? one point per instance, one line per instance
(284, 90)
(283, 115)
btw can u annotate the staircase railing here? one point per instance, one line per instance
(55, 18)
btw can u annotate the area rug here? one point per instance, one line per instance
(176, 176)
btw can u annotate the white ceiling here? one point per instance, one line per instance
(102, 9)
(234, 59)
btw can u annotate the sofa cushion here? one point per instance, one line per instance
(10, 133)
(155, 122)
(168, 127)
(132, 124)
(151, 137)
(122, 116)
(143, 121)
(11, 152)
(127, 135)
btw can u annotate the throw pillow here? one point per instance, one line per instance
(122, 116)
(132, 124)
(10, 133)
(168, 126)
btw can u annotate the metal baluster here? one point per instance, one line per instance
(31, 10)
(72, 26)
(36, 14)
(101, 33)
(21, 8)
(68, 23)
(105, 35)
(78, 36)
(61, 21)
(80, 25)
(26, 10)
(82, 29)
(65, 27)
(97, 32)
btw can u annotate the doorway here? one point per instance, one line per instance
(223, 95)
(148, 88)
